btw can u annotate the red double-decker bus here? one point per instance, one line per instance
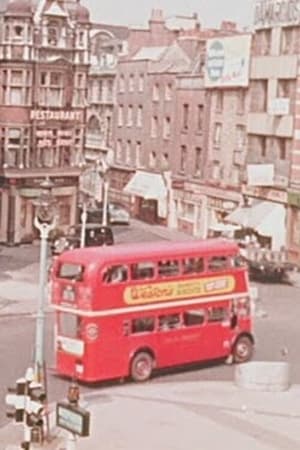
(128, 309)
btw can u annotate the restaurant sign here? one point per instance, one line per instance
(269, 13)
(64, 115)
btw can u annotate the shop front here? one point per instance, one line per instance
(200, 210)
(18, 207)
(149, 195)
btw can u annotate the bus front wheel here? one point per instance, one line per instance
(243, 350)
(141, 367)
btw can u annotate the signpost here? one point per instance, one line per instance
(73, 418)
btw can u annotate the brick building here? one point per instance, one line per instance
(44, 52)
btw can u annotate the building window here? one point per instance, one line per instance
(167, 128)
(122, 83)
(155, 92)
(198, 161)
(110, 91)
(16, 87)
(52, 35)
(165, 164)
(240, 137)
(152, 160)
(120, 116)
(286, 89)
(262, 42)
(241, 99)
(262, 142)
(128, 153)
(100, 91)
(168, 92)
(235, 175)
(81, 39)
(217, 134)
(216, 171)
(281, 143)
(13, 147)
(219, 101)
(258, 95)
(138, 154)
(139, 116)
(141, 82)
(154, 127)
(119, 150)
(79, 89)
(200, 110)
(183, 157)
(287, 40)
(131, 83)
(185, 122)
(130, 116)
(51, 89)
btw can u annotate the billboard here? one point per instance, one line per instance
(227, 61)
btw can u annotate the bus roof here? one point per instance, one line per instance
(147, 250)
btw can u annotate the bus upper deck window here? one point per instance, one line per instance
(142, 270)
(168, 268)
(218, 263)
(115, 274)
(193, 265)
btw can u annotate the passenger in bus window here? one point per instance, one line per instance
(116, 274)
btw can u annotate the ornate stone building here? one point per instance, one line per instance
(44, 65)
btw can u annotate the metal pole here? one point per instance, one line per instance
(83, 224)
(71, 441)
(44, 229)
(105, 202)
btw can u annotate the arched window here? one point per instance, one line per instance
(94, 126)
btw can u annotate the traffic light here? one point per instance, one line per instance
(17, 399)
(34, 411)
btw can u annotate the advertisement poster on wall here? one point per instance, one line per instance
(227, 62)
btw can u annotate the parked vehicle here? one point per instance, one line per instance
(262, 267)
(268, 271)
(118, 214)
(95, 235)
(115, 215)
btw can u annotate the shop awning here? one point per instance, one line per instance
(267, 218)
(150, 186)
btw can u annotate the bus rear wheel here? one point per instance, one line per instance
(141, 367)
(243, 350)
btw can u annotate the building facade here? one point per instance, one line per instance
(44, 62)
(273, 170)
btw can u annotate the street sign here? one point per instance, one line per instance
(73, 418)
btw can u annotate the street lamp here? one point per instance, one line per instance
(44, 221)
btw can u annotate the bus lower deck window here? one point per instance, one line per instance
(142, 325)
(169, 322)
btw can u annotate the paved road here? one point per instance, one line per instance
(276, 328)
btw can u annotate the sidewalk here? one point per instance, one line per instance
(188, 416)
(193, 415)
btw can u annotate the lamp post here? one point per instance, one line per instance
(44, 221)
